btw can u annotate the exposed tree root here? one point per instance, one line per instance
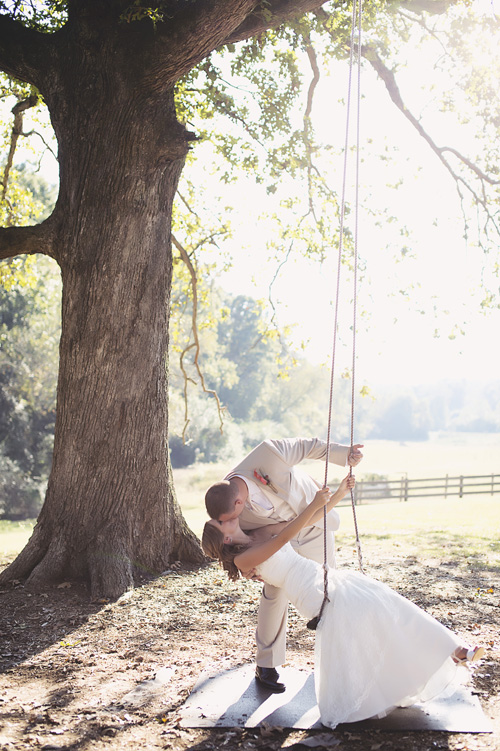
(107, 565)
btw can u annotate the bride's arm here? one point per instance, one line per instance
(263, 534)
(257, 554)
(346, 484)
(271, 530)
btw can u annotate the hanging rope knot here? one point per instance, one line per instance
(313, 623)
(360, 556)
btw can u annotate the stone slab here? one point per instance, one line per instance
(234, 699)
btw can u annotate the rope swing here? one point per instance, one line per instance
(355, 26)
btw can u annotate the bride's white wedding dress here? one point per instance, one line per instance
(375, 650)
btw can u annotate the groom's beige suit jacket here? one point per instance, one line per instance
(289, 491)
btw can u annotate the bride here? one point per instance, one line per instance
(375, 650)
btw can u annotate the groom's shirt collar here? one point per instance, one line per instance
(257, 499)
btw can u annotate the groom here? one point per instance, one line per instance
(267, 487)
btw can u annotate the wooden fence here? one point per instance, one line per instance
(404, 489)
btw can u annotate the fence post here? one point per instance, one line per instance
(406, 487)
(446, 487)
(461, 488)
(359, 492)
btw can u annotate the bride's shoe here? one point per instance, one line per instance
(471, 655)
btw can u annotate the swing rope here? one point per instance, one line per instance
(355, 23)
(355, 284)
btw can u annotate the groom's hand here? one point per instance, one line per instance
(252, 574)
(355, 455)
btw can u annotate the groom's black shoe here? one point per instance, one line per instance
(268, 677)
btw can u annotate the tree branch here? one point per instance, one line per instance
(479, 196)
(24, 53)
(196, 344)
(270, 14)
(17, 241)
(186, 37)
(190, 34)
(311, 54)
(17, 130)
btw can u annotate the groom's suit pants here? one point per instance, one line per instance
(273, 606)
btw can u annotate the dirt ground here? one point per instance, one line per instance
(67, 663)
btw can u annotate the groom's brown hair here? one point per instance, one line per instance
(220, 498)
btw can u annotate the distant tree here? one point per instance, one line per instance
(402, 419)
(245, 341)
(29, 337)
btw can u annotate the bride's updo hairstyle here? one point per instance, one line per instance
(212, 542)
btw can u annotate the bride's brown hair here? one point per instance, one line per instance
(213, 544)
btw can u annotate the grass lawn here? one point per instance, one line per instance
(443, 454)
(455, 529)
(459, 530)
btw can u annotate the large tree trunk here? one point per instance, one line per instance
(110, 508)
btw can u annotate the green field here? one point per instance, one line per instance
(468, 527)
(445, 453)
(13, 536)
(459, 530)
